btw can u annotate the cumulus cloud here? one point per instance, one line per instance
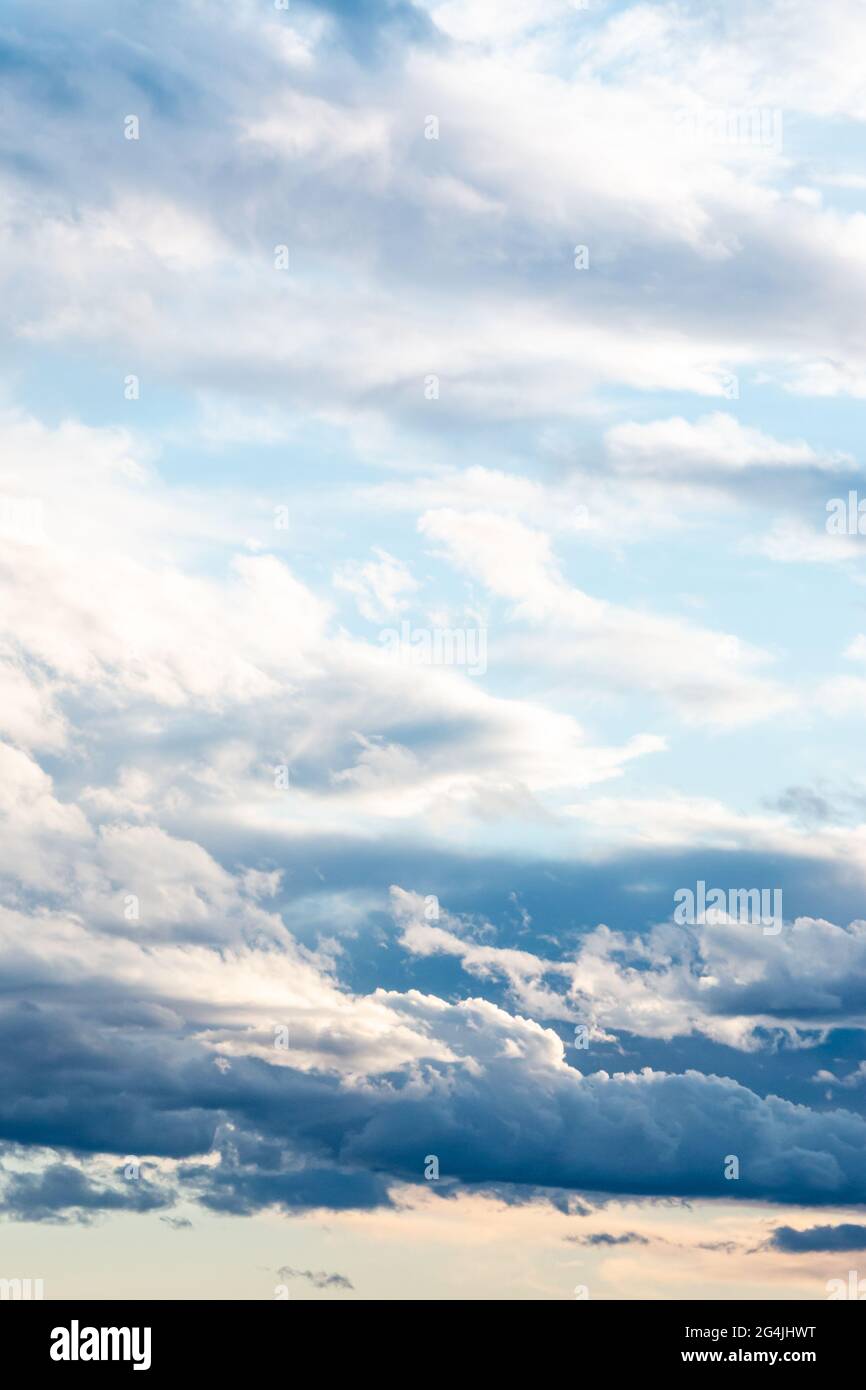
(551, 1125)
(724, 978)
(141, 927)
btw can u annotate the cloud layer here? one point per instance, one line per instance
(415, 459)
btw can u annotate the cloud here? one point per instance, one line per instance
(318, 1278)
(715, 444)
(604, 1238)
(722, 682)
(211, 770)
(378, 586)
(62, 1192)
(244, 1193)
(844, 1237)
(723, 978)
(518, 192)
(364, 737)
(506, 1109)
(791, 542)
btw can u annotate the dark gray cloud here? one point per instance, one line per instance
(604, 1238)
(839, 804)
(844, 1237)
(295, 1140)
(241, 1193)
(64, 1193)
(805, 804)
(318, 1278)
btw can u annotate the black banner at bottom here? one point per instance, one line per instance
(223, 1338)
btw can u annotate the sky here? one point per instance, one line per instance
(432, 649)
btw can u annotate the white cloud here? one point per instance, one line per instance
(304, 125)
(720, 681)
(724, 979)
(715, 443)
(378, 586)
(792, 542)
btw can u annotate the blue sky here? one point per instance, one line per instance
(399, 607)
